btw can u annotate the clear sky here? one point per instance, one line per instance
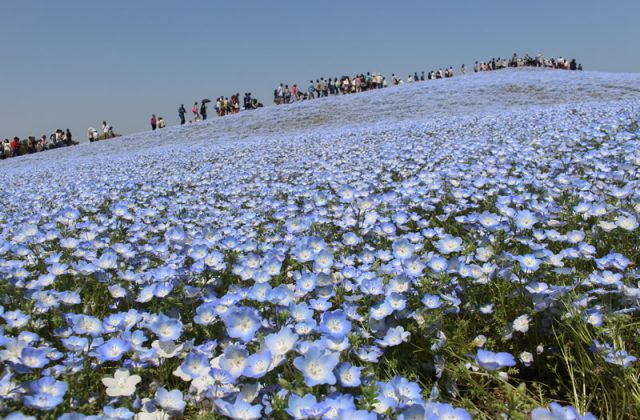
(73, 63)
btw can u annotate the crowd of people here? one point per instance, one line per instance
(29, 145)
(283, 94)
(527, 61)
(223, 105)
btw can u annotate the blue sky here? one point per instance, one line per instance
(73, 63)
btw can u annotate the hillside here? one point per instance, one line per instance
(462, 247)
(473, 95)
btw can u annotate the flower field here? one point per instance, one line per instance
(466, 249)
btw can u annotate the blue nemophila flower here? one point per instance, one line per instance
(525, 219)
(320, 305)
(380, 311)
(445, 411)
(348, 375)
(336, 402)
(215, 260)
(167, 329)
(414, 267)
(112, 350)
(85, 325)
(303, 253)
(205, 314)
(42, 401)
(394, 337)
(242, 322)
(282, 342)
(407, 391)
(119, 413)
(528, 263)
(489, 220)
(606, 278)
(350, 239)
(306, 327)
(373, 286)
(15, 319)
(240, 409)
(76, 344)
(306, 282)
(396, 301)
(258, 364)
(296, 404)
(335, 324)
(628, 223)
(431, 301)
(491, 361)
(593, 316)
(49, 385)
(559, 412)
(32, 358)
(234, 360)
(449, 244)
(323, 262)
(171, 401)
(315, 412)
(114, 322)
(620, 358)
(438, 263)
(317, 366)
(195, 365)
(403, 249)
(107, 261)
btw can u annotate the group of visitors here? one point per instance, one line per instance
(432, 75)
(157, 122)
(223, 106)
(106, 133)
(527, 61)
(25, 146)
(283, 94)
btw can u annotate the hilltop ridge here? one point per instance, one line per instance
(474, 94)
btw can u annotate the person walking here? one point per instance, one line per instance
(203, 110)
(154, 122)
(194, 110)
(181, 112)
(311, 89)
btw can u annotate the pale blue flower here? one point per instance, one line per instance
(491, 361)
(317, 366)
(242, 323)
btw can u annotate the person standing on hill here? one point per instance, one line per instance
(311, 89)
(194, 110)
(203, 110)
(154, 122)
(181, 112)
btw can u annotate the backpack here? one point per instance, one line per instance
(194, 109)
